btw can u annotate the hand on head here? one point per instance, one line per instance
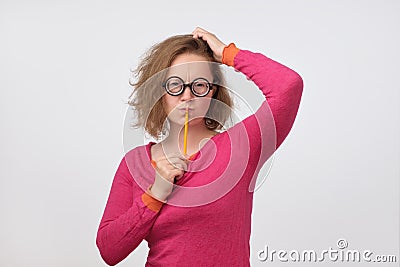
(213, 42)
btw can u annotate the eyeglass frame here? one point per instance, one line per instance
(184, 85)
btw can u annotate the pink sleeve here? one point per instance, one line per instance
(126, 220)
(282, 88)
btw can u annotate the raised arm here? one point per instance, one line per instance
(268, 127)
(128, 216)
(281, 86)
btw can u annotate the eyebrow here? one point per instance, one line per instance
(197, 77)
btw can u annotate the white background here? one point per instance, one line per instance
(64, 70)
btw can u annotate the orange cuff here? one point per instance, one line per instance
(229, 53)
(151, 202)
(154, 164)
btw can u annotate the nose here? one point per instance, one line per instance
(187, 93)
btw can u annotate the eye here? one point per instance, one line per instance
(200, 84)
(173, 84)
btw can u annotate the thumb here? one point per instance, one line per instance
(179, 166)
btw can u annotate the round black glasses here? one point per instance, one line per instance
(175, 86)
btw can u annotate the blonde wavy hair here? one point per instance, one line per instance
(146, 98)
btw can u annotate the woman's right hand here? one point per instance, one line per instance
(168, 169)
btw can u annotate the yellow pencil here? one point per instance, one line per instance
(186, 131)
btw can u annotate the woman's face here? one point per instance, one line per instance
(198, 106)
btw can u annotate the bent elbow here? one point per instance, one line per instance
(294, 89)
(105, 252)
(297, 82)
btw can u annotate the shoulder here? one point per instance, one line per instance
(138, 154)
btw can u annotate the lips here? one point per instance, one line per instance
(183, 111)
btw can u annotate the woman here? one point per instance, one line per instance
(196, 211)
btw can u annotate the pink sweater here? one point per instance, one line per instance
(207, 221)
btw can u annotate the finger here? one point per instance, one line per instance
(177, 178)
(200, 34)
(180, 165)
(177, 174)
(177, 158)
(170, 156)
(198, 29)
(175, 162)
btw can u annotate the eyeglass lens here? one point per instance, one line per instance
(174, 85)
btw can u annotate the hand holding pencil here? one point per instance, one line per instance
(170, 168)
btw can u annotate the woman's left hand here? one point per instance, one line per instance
(213, 42)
